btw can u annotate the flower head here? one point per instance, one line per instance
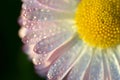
(72, 39)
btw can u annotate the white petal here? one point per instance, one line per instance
(61, 28)
(114, 65)
(43, 61)
(65, 62)
(68, 5)
(35, 15)
(79, 69)
(96, 67)
(117, 53)
(107, 74)
(50, 43)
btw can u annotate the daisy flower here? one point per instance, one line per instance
(72, 39)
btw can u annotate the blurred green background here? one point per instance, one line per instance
(14, 63)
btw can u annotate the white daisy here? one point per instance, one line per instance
(72, 39)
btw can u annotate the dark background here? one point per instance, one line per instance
(14, 63)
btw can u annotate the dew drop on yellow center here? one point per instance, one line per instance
(98, 22)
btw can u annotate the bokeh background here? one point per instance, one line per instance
(15, 65)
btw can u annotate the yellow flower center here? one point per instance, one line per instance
(98, 22)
